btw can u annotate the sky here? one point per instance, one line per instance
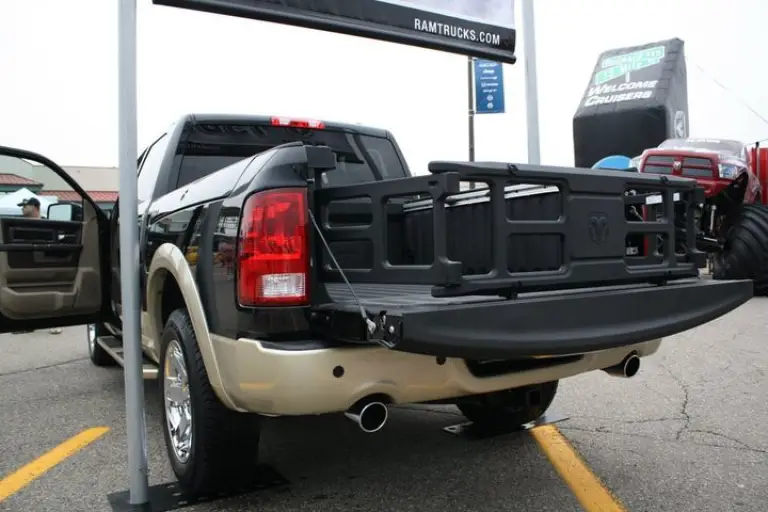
(58, 88)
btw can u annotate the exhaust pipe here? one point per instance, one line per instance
(626, 368)
(369, 416)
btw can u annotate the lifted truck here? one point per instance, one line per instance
(732, 217)
(295, 267)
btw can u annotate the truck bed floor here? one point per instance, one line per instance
(399, 296)
(406, 297)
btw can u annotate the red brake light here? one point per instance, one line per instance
(273, 257)
(298, 123)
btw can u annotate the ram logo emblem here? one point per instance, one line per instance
(598, 227)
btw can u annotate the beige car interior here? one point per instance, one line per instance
(40, 284)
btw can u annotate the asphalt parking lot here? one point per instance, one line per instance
(686, 434)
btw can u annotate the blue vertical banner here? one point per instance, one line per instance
(489, 87)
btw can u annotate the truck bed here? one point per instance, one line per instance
(534, 265)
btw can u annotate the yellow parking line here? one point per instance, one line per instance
(585, 485)
(22, 477)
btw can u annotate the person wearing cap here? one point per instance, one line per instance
(30, 208)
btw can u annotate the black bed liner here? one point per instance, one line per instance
(579, 291)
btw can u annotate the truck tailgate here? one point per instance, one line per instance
(552, 323)
(512, 274)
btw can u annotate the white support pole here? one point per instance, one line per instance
(129, 254)
(531, 83)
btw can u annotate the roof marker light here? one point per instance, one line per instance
(298, 123)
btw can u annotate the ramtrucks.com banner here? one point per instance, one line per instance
(480, 28)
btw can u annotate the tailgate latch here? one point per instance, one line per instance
(383, 331)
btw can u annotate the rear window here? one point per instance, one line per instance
(360, 157)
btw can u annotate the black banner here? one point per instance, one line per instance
(636, 98)
(479, 28)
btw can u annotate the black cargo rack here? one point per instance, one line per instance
(592, 228)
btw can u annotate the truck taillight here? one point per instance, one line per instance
(273, 257)
(298, 123)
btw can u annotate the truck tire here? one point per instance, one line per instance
(761, 285)
(511, 407)
(211, 448)
(745, 255)
(98, 355)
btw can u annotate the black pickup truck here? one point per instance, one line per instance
(296, 267)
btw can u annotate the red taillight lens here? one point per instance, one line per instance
(273, 257)
(298, 123)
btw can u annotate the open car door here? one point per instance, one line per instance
(54, 253)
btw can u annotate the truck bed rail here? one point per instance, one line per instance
(589, 234)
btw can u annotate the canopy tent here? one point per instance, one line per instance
(9, 203)
(617, 162)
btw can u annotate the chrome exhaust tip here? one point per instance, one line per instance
(369, 416)
(627, 368)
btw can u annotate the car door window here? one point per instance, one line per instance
(32, 188)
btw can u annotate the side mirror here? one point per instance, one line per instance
(65, 211)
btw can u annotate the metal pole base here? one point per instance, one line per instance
(169, 496)
(471, 430)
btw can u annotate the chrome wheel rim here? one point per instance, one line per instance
(91, 338)
(178, 404)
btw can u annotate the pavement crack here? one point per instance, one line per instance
(630, 422)
(686, 417)
(741, 444)
(651, 420)
(603, 430)
(44, 367)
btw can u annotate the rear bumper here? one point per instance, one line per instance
(301, 382)
(601, 328)
(562, 323)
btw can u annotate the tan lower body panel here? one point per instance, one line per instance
(279, 382)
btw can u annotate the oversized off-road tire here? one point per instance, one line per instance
(745, 255)
(211, 448)
(511, 408)
(98, 355)
(761, 284)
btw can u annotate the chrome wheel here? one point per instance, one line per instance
(178, 404)
(91, 338)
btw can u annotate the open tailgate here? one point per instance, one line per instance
(597, 296)
(538, 324)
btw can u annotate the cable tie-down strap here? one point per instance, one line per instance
(376, 328)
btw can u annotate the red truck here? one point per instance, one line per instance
(732, 217)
